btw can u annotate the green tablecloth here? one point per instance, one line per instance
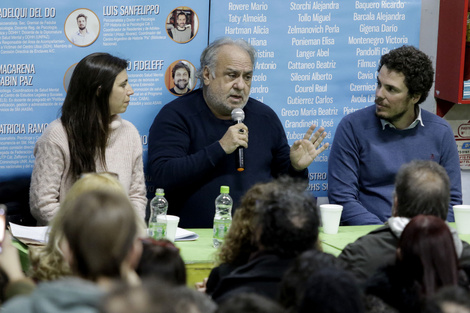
(201, 250)
(199, 255)
(334, 244)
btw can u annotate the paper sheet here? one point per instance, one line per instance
(39, 234)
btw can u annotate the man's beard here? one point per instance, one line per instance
(217, 102)
(391, 119)
(181, 84)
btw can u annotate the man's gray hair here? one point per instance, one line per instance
(209, 55)
(422, 187)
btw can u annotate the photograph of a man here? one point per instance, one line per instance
(83, 36)
(82, 27)
(181, 74)
(181, 25)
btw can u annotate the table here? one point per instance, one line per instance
(199, 255)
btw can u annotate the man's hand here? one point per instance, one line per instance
(303, 152)
(236, 136)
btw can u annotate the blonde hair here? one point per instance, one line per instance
(99, 228)
(47, 262)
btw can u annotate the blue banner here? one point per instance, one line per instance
(317, 60)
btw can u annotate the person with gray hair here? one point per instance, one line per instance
(193, 138)
(421, 187)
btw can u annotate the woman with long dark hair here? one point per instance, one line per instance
(90, 136)
(426, 261)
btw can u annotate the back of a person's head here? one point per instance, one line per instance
(374, 304)
(426, 253)
(161, 259)
(450, 299)
(249, 303)
(293, 283)
(47, 262)
(155, 296)
(287, 220)
(188, 300)
(238, 243)
(99, 228)
(332, 290)
(422, 187)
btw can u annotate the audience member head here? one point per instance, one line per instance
(287, 219)
(100, 235)
(157, 297)
(450, 299)
(305, 265)
(426, 254)
(415, 65)
(374, 304)
(47, 262)
(332, 290)
(421, 187)
(86, 111)
(239, 242)
(249, 303)
(161, 259)
(209, 55)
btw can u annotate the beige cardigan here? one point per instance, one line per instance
(50, 180)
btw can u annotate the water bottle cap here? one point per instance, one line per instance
(224, 189)
(160, 192)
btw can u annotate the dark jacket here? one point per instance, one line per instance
(395, 288)
(378, 248)
(261, 275)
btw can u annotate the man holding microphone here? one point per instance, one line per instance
(193, 139)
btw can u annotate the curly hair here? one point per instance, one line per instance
(287, 221)
(238, 243)
(415, 65)
(48, 262)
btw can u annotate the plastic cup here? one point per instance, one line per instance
(330, 217)
(462, 218)
(171, 226)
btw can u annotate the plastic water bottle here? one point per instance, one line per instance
(223, 215)
(157, 221)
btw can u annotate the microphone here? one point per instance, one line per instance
(238, 116)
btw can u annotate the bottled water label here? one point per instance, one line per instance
(157, 230)
(221, 228)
